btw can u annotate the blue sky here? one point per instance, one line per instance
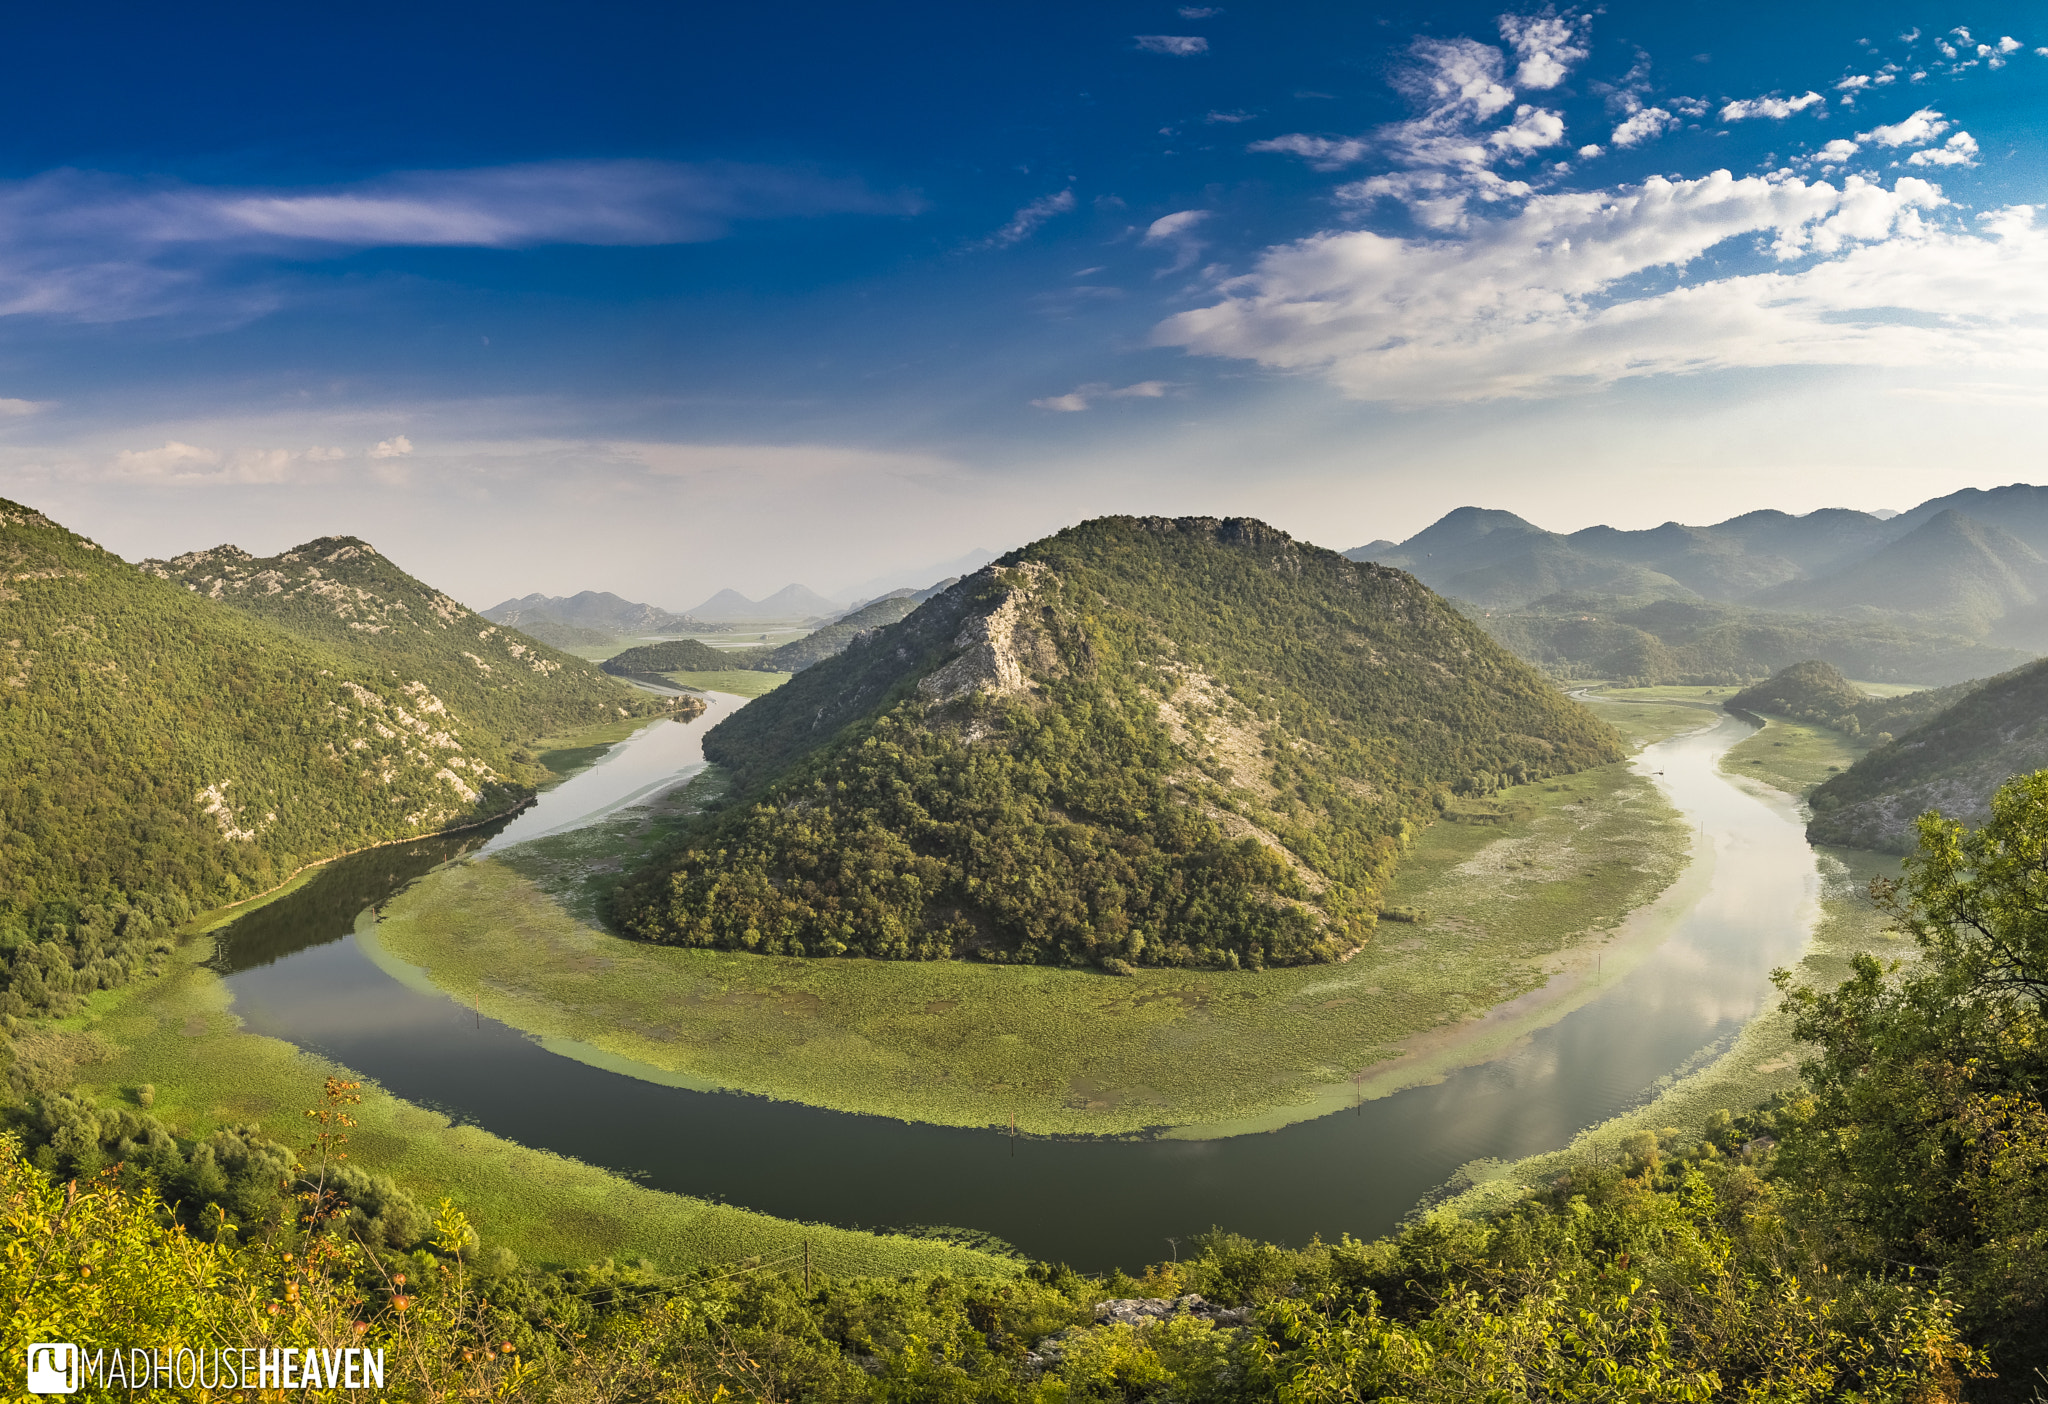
(660, 299)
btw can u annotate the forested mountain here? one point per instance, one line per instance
(1696, 643)
(1817, 692)
(340, 591)
(1141, 740)
(162, 752)
(833, 638)
(1955, 588)
(1952, 763)
(593, 612)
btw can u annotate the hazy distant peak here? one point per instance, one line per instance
(790, 602)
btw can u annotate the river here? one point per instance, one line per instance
(296, 973)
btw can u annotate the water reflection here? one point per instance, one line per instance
(1097, 1203)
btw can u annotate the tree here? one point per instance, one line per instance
(1924, 1141)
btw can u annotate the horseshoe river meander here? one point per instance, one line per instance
(1743, 907)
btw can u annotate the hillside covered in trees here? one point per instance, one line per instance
(1952, 762)
(1817, 692)
(1140, 741)
(342, 592)
(162, 752)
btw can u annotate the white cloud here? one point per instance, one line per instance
(1959, 150)
(1922, 127)
(1026, 221)
(1646, 125)
(1855, 82)
(1542, 302)
(179, 464)
(17, 409)
(1324, 153)
(1200, 11)
(1547, 45)
(1838, 150)
(325, 455)
(1079, 398)
(397, 447)
(94, 247)
(1533, 129)
(1772, 107)
(2009, 45)
(1587, 153)
(1230, 117)
(1178, 45)
(1177, 232)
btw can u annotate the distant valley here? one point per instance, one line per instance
(1952, 589)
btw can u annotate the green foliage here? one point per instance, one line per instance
(677, 655)
(1925, 1139)
(341, 592)
(1953, 760)
(1697, 643)
(832, 639)
(1817, 692)
(1606, 1289)
(161, 753)
(1210, 746)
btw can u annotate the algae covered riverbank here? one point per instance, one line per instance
(1509, 906)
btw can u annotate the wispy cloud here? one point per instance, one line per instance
(1178, 45)
(1548, 45)
(397, 447)
(1922, 127)
(1645, 124)
(19, 409)
(1177, 232)
(1082, 396)
(1026, 221)
(90, 246)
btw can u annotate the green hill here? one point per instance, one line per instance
(1952, 763)
(1953, 572)
(1645, 642)
(832, 640)
(341, 592)
(1143, 740)
(677, 656)
(161, 753)
(1816, 692)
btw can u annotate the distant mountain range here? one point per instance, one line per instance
(790, 602)
(1956, 587)
(593, 617)
(896, 581)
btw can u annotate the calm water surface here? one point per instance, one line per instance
(297, 974)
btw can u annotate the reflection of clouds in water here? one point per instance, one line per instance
(650, 759)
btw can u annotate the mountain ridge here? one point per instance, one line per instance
(1088, 752)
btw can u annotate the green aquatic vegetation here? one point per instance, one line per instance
(1066, 1051)
(1793, 756)
(178, 1033)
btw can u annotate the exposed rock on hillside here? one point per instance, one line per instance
(1142, 741)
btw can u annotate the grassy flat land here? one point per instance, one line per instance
(741, 682)
(1793, 756)
(1508, 899)
(571, 751)
(1645, 720)
(179, 1033)
(1759, 1062)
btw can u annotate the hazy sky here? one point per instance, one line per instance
(659, 299)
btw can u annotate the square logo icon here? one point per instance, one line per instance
(53, 1368)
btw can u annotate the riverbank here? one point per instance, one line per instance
(1515, 900)
(1785, 759)
(178, 1033)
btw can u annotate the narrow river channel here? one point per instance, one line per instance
(296, 973)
